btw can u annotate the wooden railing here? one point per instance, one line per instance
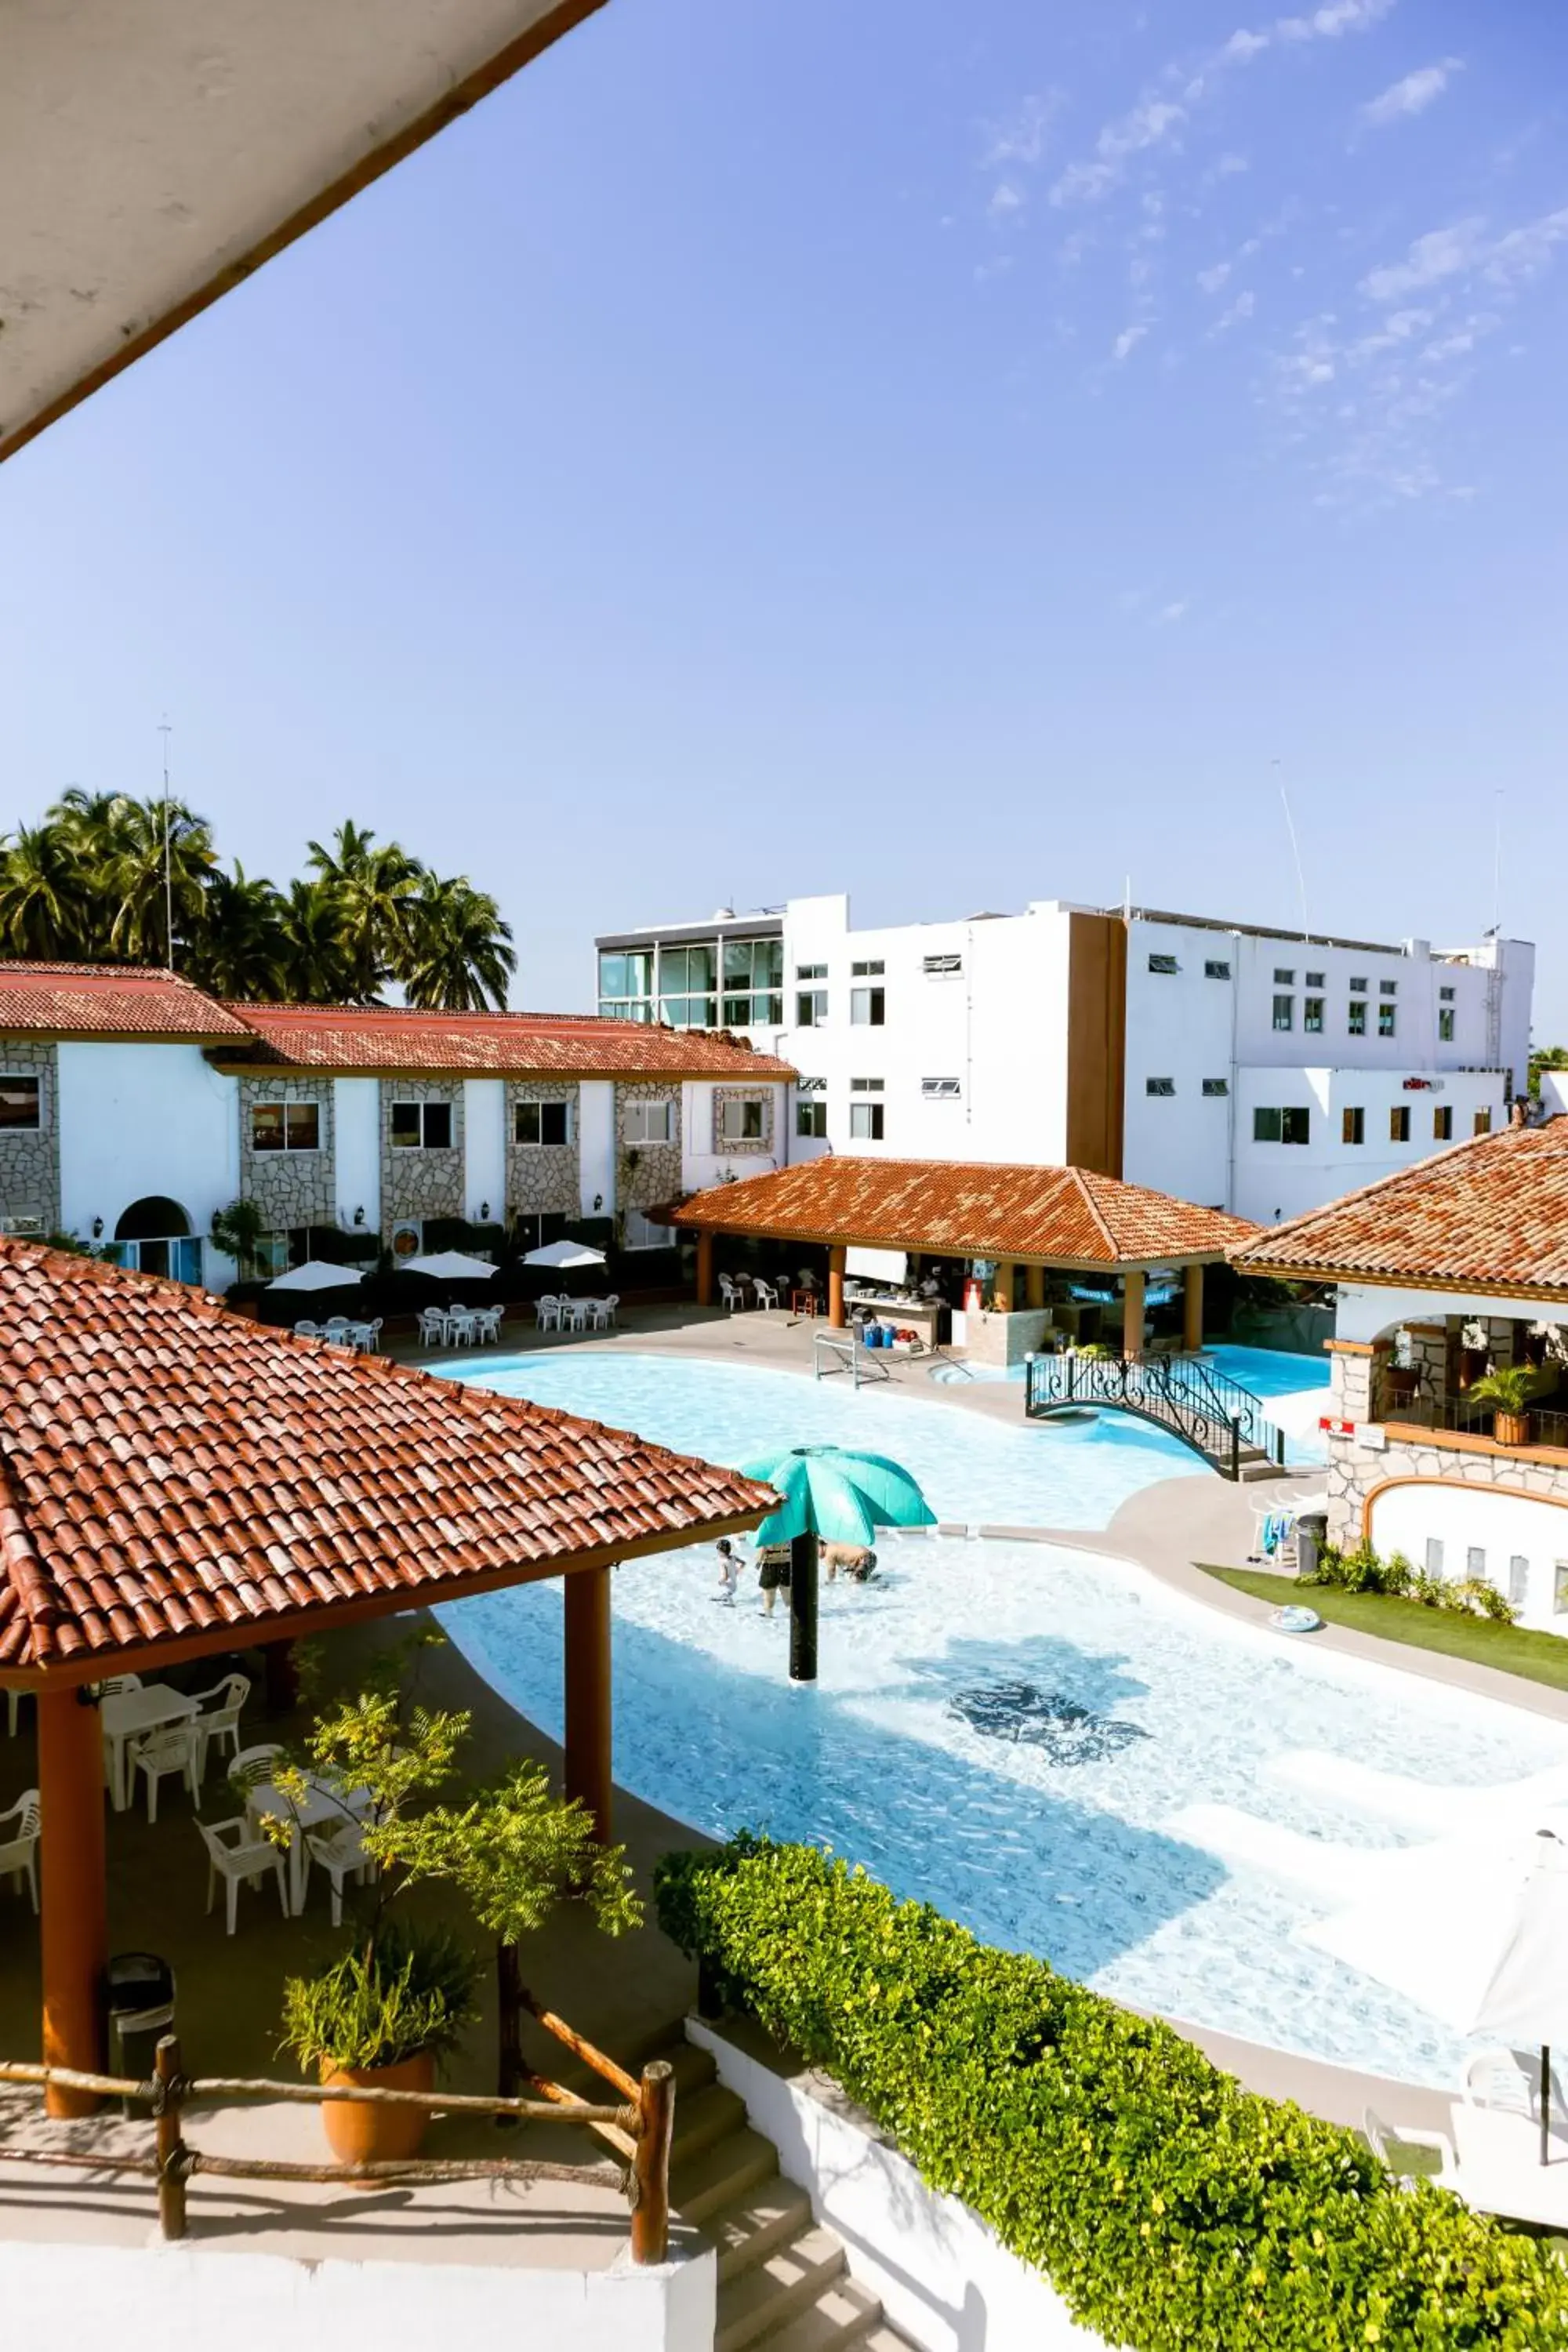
(639, 2127)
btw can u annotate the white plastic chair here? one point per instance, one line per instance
(176, 1747)
(432, 1327)
(767, 1292)
(462, 1325)
(307, 1330)
(600, 1314)
(730, 1292)
(1510, 2079)
(221, 1721)
(490, 1322)
(341, 1852)
(19, 1854)
(236, 1853)
(547, 1312)
(372, 1340)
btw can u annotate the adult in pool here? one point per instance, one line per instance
(858, 1560)
(773, 1564)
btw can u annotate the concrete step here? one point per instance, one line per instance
(694, 2068)
(754, 2304)
(762, 2219)
(840, 2314)
(709, 2116)
(702, 2187)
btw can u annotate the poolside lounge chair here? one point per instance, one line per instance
(1510, 2079)
(1379, 2135)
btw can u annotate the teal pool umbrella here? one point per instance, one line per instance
(832, 1493)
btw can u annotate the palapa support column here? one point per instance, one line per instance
(74, 1902)
(588, 1714)
(1193, 1309)
(1002, 1286)
(1035, 1286)
(802, 1562)
(705, 1269)
(836, 1288)
(1133, 1312)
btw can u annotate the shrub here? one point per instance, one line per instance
(1508, 1389)
(1363, 1570)
(1173, 2211)
(413, 1990)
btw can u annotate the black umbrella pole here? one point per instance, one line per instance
(803, 1608)
(1546, 2102)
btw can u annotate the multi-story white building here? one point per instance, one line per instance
(132, 1107)
(1257, 1070)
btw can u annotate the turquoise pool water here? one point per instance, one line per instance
(1267, 1371)
(1011, 1730)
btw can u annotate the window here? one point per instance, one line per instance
(1284, 1012)
(865, 1122)
(648, 1122)
(1445, 996)
(544, 1123)
(1316, 979)
(19, 1102)
(1284, 979)
(1357, 1023)
(1560, 1587)
(1445, 1025)
(1518, 1578)
(811, 971)
(867, 1086)
(1313, 1015)
(1443, 1123)
(1475, 1561)
(810, 1008)
(942, 967)
(1358, 988)
(868, 1007)
(286, 1127)
(742, 1121)
(1399, 1123)
(1385, 1015)
(872, 970)
(1353, 1123)
(941, 1089)
(811, 1120)
(686, 998)
(1163, 963)
(1216, 969)
(1159, 1086)
(534, 1229)
(1434, 1555)
(1217, 1086)
(1388, 988)
(753, 983)
(638, 1232)
(1483, 1123)
(626, 983)
(811, 1086)
(1291, 1125)
(422, 1127)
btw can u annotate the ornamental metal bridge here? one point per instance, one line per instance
(1184, 1394)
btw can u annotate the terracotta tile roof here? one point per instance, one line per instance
(86, 1000)
(168, 1469)
(966, 1209)
(1488, 1214)
(392, 1039)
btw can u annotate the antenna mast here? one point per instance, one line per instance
(164, 730)
(1295, 850)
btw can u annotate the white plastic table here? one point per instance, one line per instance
(320, 1806)
(123, 1714)
(1500, 2167)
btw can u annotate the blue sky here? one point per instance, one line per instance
(946, 454)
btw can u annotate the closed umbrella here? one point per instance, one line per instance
(316, 1274)
(450, 1265)
(565, 1258)
(1475, 1932)
(832, 1492)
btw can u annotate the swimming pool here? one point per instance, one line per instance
(1267, 1371)
(1012, 1731)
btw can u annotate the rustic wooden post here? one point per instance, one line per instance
(170, 2147)
(803, 1608)
(650, 2165)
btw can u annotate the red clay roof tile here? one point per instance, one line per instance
(167, 1466)
(540, 1045)
(87, 1000)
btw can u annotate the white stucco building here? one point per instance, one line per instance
(1257, 1070)
(134, 1107)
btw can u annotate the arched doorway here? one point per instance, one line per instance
(155, 1237)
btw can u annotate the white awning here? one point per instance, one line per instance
(153, 157)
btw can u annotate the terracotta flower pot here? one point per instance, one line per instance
(1512, 1428)
(371, 2134)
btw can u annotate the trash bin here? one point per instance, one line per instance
(1311, 1534)
(141, 2001)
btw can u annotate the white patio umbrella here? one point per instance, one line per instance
(450, 1266)
(316, 1274)
(565, 1257)
(1474, 1932)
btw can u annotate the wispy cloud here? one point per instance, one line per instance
(1210, 280)
(1169, 614)
(1441, 253)
(1149, 123)
(1128, 341)
(1243, 307)
(1005, 198)
(1022, 136)
(1412, 95)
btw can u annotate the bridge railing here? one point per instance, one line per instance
(1211, 1412)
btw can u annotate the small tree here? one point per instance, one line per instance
(237, 1231)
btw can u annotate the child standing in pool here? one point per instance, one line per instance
(728, 1573)
(772, 1563)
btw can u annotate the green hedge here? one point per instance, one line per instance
(1174, 2210)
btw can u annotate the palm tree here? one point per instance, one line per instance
(375, 890)
(461, 954)
(316, 968)
(44, 909)
(133, 876)
(241, 952)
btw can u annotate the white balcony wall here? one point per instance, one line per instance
(137, 1119)
(596, 1146)
(484, 1149)
(356, 1135)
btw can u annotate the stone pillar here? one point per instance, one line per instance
(1193, 1309)
(836, 1289)
(74, 1905)
(1350, 1380)
(1034, 1287)
(589, 1775)
(704, 1269)
(1133, 1312)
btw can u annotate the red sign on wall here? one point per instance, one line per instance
(1334, 1427)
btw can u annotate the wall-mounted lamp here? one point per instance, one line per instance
(98, 1229)
(598, 1202)
(484, 1212)
(359, 1216)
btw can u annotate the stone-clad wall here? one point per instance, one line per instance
(290, 1188)
(420, 1184)
(30, 1157)
(1356, 1469)
(723, 1144)
(542, 1177)
(646, 1173)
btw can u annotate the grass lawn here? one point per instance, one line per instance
(1537, 1657)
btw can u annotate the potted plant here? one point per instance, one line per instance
(1507, 1390)
(380, 2017)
